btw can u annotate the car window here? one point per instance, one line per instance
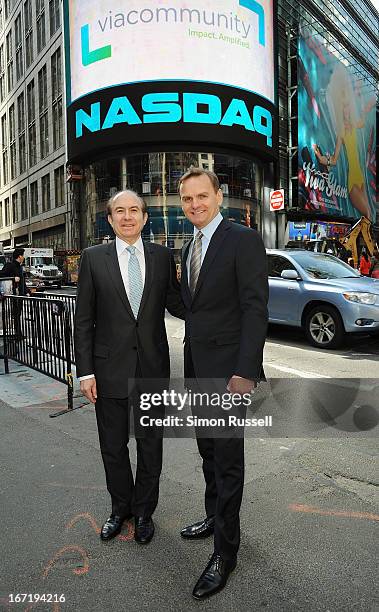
(324, 266)
(276, 265)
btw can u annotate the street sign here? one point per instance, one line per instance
(277, 200)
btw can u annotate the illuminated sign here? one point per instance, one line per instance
(164, 108)
(203, 64)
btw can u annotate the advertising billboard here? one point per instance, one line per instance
(336, 134)
(169, 73)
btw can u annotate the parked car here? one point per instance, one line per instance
(321, 294)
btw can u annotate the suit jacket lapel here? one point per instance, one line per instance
(149, 273)
(214, 245)
(115, 274)
(184, 276)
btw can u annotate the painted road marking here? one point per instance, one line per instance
(124, 537)
(299, 373)
(342, 513)
(79, 571)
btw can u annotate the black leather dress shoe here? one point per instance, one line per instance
(203, 529)
(112, 526)
(144, 529)
(214, 577)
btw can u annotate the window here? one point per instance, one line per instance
(28, 30)
(21, 132)
(34, 199)
(276, 265)
(4, 131)
(46, 204)
(58, 124)
(42, 89)
(56, 78)
(30, 93)
(43, 122)
(2, 74)
(41, 33)
(55, 16)
(44, 135)
(1, 215)
(18, 45)
(12, 124)
(56, 73)
(21, 113)
(4, 140)
(9, 45)
(15, 208)
(24, 203)
(32, 137)
(13, 156)
(22, 152)
(8, 217)
(59, 186)
(12, 138)
(8, 5)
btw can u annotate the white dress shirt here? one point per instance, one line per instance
(207, 232)
(123, 261)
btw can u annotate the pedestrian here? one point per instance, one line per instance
(15, 270)
(225, 291)
(350, 258)
(374, 271)
(364, 264)
(120, 337)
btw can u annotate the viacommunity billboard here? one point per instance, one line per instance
(154, 72)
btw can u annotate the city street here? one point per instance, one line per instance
(308, 515)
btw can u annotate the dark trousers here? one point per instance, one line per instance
(224, 472)
(139, 497)
(223, 468)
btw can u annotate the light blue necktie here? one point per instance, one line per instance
(135, 280)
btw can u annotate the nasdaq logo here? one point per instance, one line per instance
(172, 107)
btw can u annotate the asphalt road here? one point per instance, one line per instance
(308, 518)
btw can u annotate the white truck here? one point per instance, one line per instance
(41, 269)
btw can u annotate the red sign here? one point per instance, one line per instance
(277, 199)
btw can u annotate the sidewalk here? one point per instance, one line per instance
(308, 518)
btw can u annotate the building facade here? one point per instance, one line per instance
(33, 194)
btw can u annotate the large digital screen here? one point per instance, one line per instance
(154, 72)
(336, 134)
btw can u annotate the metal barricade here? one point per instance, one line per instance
(69, 301)
(36, 333)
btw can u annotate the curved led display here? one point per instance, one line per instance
(159, 73)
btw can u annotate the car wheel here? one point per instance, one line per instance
(324, 327)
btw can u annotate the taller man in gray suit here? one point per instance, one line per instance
(225, 291)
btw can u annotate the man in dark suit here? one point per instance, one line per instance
(15, 269)
(225, 291)
(120, 337)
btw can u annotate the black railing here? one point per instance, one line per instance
(37, 333)
(69, 301)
